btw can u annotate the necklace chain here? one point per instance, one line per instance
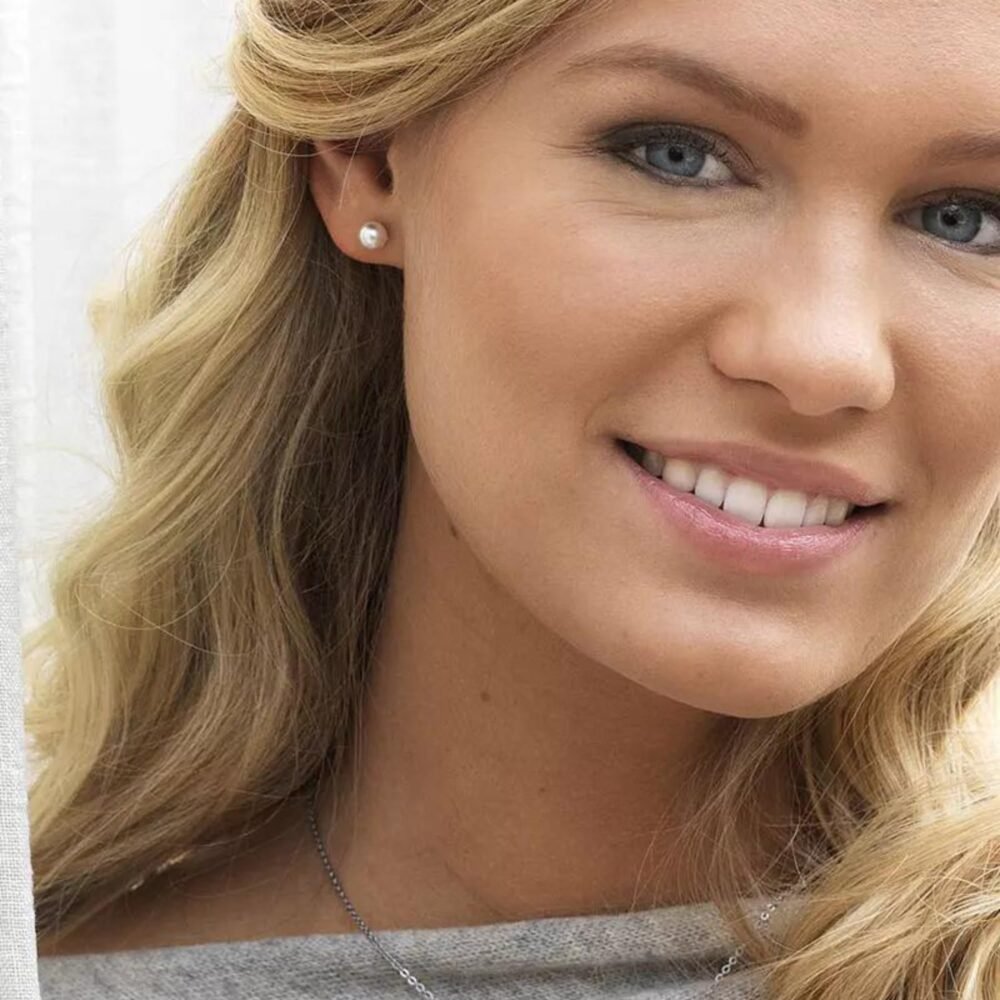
(411, 980)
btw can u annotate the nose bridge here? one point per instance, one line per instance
(817, 332)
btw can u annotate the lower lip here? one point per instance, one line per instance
(740, 545)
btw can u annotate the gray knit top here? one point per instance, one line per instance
(670, 953)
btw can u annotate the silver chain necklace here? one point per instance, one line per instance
(411, 980)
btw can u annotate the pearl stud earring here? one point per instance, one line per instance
(373, 235)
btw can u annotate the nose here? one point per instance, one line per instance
(814, 329)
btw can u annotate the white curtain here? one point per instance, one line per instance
(102, 105)
(17, 949)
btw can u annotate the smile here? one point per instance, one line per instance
(744, 498)
(746, 525)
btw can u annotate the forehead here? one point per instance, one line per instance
(814, 49)
(946, 25)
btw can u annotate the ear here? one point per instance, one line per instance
(350, 189)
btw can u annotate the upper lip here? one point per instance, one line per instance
(773, 469)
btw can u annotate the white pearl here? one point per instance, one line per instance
(373, 235)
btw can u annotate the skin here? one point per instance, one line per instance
(552, 656)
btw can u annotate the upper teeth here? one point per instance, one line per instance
(746, 499)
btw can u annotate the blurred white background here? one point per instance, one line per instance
(116, 97)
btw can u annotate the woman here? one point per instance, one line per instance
(539, 624)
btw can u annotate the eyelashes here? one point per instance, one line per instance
(953, 206)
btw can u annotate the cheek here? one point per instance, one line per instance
(946, 422)
(533, 312)
(949, 363)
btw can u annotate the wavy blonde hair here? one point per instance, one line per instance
(212, 627)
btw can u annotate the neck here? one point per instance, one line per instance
(500, 774)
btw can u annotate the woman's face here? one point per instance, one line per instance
(814, 273)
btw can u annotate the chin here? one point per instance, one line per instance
(734, 678)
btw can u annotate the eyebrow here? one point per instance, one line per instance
(744, 97)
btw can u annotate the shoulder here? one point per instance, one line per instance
(152, 916)
(271, 888)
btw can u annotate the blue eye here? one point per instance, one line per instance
(682, 157)
(677, 153)
(970, 220)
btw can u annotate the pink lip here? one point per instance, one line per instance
(771, 469)
(740, 545)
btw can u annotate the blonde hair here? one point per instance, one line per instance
(212, 627)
